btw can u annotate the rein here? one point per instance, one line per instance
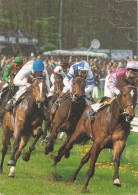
(38, 78)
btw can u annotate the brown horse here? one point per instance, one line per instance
(110, 129)
(25, 121)
(58, 86)
(68, 113)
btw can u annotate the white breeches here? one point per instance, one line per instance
(107, 92)
(52, 88)
(21, 90)
(95, 92)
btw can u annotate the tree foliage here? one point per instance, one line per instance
(113, 22)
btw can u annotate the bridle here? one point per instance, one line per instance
(122, 108)
(38, 102)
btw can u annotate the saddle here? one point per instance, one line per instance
(107, 103)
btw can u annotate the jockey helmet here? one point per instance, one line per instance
(38, 65)
(18, 60)
(83, 69)
(132, 69)
(83, 66)
(132, 65)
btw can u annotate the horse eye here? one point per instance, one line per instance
(125, 95)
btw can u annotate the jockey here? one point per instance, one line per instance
(80, 69)
(17, 64)
(21, 80)
(61, 69)
(114, 83)
(18, 61)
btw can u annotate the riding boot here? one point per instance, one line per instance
(55, 107)
(90, 115)
(10, 104)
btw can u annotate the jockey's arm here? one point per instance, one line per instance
(68, 80)
(47, 79)
(57, 70)
(52, 78)
(6, 73)
(22, 76)
(112, 82)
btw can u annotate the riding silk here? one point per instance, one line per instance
(58, 70)
(114, 82)
(73, 71)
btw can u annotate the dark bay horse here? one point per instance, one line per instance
(110, 129)
(7, 92)
(25, 121)
(58, 86)
(68, 113)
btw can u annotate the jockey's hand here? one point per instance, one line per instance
(27, 85)
(70, 90)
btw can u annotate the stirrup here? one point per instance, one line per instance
(10, 105)
(89, 115)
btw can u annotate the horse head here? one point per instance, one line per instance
(58, 84)
(128, 99)
(38, 90)
(78, 89)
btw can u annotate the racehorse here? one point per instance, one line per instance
(25, 121)
(69, 112)
(58, 86)
(110, 129)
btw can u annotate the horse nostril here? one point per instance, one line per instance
(130, 117)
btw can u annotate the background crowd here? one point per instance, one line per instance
(100, 67)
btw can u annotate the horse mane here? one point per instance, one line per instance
(58, 76)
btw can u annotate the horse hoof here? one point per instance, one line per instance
(11, 163)
(85, 190)
(46, 151)
(67, 155)
(25, 157)
(55, 163)
(72, 179)
(12, 172)
(1, 170)
(117, 182)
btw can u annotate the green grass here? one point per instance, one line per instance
(39, 177)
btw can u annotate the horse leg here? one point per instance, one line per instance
(23, 142)
(95, 150)
(47, 125)
(118, 148)
(67, 147)
(5, 142)
(38, 134)
(50, 145)
(83, 161)
(12, 162)
(62, 148)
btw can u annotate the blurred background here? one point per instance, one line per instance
(43, 25)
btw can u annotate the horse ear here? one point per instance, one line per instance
(44, 74)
